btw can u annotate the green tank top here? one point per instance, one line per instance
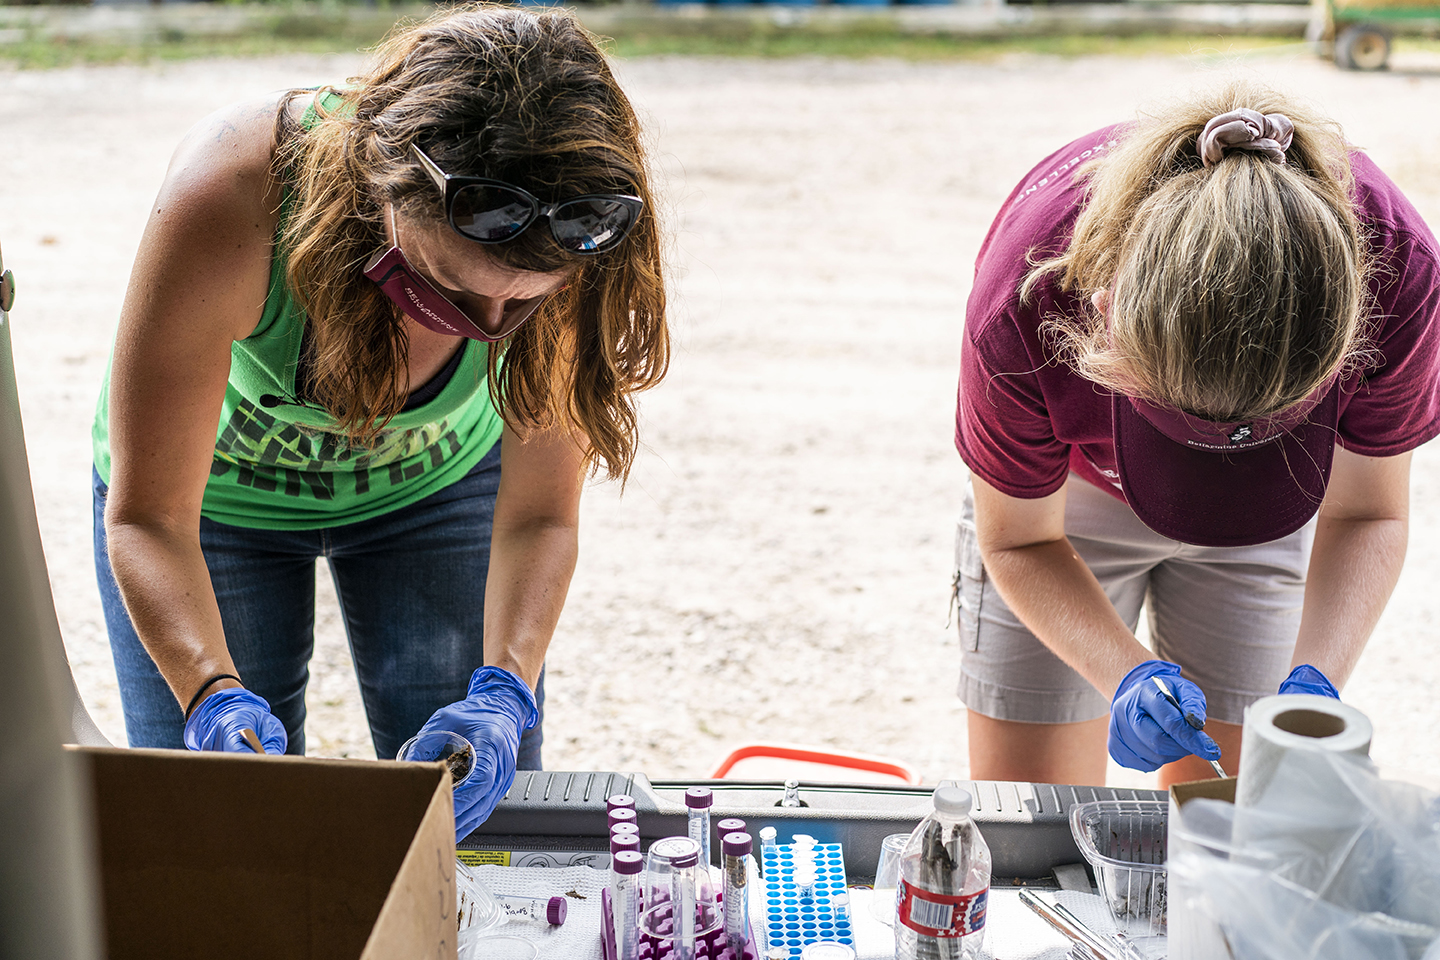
(281, 464)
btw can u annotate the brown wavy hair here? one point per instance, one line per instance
(486, 91)
(1234, 291)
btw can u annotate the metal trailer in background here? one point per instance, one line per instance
(1361, 31)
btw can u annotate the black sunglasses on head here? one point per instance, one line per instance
(492, 211)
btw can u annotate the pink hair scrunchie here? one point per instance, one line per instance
(1246, 129)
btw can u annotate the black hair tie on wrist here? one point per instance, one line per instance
(206, 686)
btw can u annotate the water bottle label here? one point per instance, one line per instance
(941, 916)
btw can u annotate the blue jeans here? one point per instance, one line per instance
(412, 594)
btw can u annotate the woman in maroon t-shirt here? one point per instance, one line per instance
(1197, 355)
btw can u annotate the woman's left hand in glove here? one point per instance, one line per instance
(497, 710)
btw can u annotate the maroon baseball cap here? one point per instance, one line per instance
(1225, 484)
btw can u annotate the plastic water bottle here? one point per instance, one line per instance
(944, 884)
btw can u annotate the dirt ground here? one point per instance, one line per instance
(779, 566)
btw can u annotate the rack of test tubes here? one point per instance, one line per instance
(806, 898)
(708, 946)
(639, 920)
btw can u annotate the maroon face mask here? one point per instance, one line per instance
(431, 309)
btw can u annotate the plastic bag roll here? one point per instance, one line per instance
(1295, 729)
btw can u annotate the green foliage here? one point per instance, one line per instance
(330, 27)
(41, 54)
(281, 27)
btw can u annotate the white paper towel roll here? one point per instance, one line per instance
(1298, 723)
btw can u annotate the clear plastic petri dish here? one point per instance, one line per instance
(441, 745)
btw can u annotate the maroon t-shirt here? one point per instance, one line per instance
(1025, 420)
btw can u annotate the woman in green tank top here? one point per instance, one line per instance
(393, 325)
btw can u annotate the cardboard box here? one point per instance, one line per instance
(1192, 935)
(1216, 789)
(229, 856)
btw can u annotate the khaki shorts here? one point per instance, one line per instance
(1228, 615)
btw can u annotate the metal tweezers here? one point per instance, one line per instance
(1088, 945)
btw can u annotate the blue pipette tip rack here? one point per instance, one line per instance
(708, 946)
(791, 923)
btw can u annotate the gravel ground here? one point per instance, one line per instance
(778, 567)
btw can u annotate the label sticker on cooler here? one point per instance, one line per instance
(939, 915)
(482, 858)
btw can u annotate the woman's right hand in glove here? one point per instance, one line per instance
(1146, 730)
(217, 721)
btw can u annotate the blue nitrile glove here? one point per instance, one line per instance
(1146, 731)
(1307, 679)
(218, 720)
(498, 708)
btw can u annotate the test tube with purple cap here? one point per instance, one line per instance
(699, 800)
(624, 841)
(728, 825)
(551, 910)
(625, 902)
(735, 849)
(620, 815)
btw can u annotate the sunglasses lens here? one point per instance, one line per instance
(591, 224)
(490, 214)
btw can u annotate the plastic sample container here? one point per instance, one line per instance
(1124, 841)
(441, 746)
(477, 910)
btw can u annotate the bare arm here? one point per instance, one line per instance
(532, 548)
(198, 284)
(1360, 542)
(1050, 588)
